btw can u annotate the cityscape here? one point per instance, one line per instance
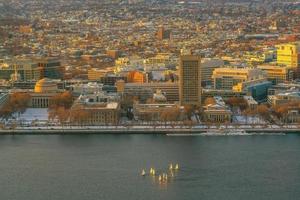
(121, 99)
(125, 63)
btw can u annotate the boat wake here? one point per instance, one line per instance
(223, 133)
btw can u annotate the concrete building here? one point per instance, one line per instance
(226, 78)
(115, 54)
(111, 79)
(169, 89)
(283, 98)
(95, 74)
(208, 65)
(293, 116)
(283, 87)
(44, 90)
(277, 74)
(50, 68)
(225, 94)
(99, 109)
(88, 88)
(4, 98)
(153, 112)
(252, 104)
(217, 112)
(190, 80)
(136, 77)
(259, 90)
(24, 69)
(288, 55)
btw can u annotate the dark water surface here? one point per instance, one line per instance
(91, 167)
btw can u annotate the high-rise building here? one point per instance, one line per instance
(190, 80)
(50, 68)
(163, 34)
(289, 55)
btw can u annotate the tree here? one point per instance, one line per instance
(79, 115)
(18, 102)
(263, 111)
(62, 115)
(237, 102)
(64, 100)
(149, 101)
(189, 110)
(6, 112)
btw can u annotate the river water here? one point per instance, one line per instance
(107, 167)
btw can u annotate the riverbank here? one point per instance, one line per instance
(142, 130)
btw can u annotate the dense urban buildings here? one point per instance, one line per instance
(121, 62)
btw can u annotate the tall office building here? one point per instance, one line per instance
(163, 34)
(50, 68)
(190, 80)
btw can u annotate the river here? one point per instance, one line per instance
(108, 167)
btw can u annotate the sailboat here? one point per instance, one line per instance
(177, 167)
(159, 178)
(171, 166)
(143, 172)
(153, 172)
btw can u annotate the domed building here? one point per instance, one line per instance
(44, 90)
(45, 85)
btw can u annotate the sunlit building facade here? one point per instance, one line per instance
(289, 55)
(226, 78)
(190, 80)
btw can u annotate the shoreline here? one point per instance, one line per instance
(160, 131)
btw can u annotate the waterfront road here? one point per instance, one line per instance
(149, 129)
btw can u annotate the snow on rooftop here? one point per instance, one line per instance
(32, 114)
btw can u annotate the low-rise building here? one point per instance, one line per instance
(95, 74)
(136, 77)
(88, 88)
(225, 94)
(252, 104)
(98, 108)
(293, 116)
(277, 74)
(258, 89)
(283, 98)
(227, 78)
(217, 112)
(153, 112)
(208, 65)
(44, 90)
(23, 69)
(4, 98)
(169, 89)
